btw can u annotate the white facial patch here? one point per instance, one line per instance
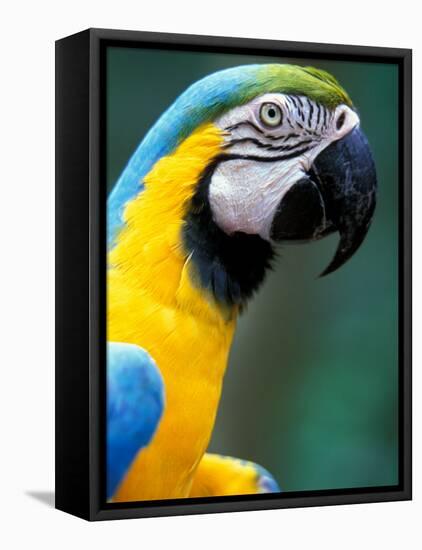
(265, 160)
(244, 194)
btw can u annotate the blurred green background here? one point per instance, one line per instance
(311, 388)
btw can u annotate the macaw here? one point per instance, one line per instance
(245, 159)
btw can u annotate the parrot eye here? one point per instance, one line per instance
(270, 114)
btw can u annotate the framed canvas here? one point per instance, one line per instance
(203, 185)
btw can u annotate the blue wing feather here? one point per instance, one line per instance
(135, 400)
(266, 482)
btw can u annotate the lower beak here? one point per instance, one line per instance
(338, 194)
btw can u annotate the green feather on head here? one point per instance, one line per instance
(316, 84)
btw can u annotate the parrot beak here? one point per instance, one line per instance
(338, 194)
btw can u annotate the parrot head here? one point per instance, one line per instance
(294, 166)
(294, 169)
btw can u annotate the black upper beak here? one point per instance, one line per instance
(338, 194)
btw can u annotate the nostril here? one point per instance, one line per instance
(340, 120)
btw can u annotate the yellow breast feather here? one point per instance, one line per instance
(153, 301)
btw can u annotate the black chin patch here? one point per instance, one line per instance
(300, 214)
(230, 267)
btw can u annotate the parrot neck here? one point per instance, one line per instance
(171, 245)
(150, 253)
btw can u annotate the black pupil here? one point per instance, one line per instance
(271, 113)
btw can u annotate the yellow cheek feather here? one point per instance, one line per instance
(153, 302)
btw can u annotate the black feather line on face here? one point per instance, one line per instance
(268, 146)
(231, 267)
(254, 127)
(311, 112)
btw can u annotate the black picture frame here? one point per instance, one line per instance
(80, 273)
